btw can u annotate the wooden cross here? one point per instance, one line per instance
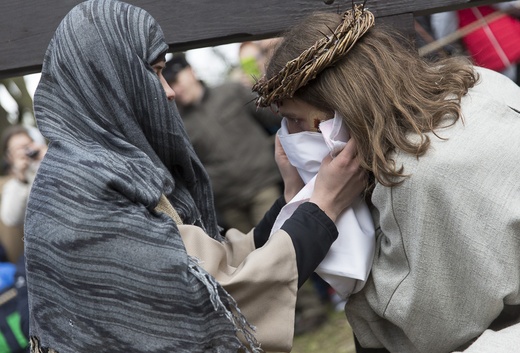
(26, 26)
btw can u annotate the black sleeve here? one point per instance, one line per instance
(263, 229)
(312, 233)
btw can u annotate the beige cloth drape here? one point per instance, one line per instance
(263, 281)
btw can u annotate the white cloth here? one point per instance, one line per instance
(347, 264)
(14, 197)
(14, 202)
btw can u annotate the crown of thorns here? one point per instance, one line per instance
(325, 52)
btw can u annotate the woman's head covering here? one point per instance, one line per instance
(98, 89)
(106, 272)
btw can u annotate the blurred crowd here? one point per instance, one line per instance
(489, 35)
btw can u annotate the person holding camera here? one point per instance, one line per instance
(22, 156)
(22, 150)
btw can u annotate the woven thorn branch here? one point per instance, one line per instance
(324, 53)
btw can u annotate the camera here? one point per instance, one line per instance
(33, 154)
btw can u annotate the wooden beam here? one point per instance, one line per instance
(26, 26)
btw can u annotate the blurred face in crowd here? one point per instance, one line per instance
(188, 89)
(18, 148)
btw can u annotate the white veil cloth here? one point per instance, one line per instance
(348, 262)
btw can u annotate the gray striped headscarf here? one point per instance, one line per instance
(106, 273)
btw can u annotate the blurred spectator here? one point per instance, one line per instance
(14, 311)
(249, 55)
(22, 157)
(11, 238)
(496, 44)
(22, 150)
(253, 56)
(231, 138)
(489, 34)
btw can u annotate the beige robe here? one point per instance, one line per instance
(447, 257)
(263, 281)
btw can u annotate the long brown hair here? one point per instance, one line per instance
(384, 90)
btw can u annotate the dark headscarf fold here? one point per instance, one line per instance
(98, 88)
(107, 273)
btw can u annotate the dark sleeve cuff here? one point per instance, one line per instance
(263, 229)
(312, 233)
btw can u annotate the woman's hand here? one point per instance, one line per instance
(292, 181)
(339, 182)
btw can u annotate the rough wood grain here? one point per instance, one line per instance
(26, 26)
